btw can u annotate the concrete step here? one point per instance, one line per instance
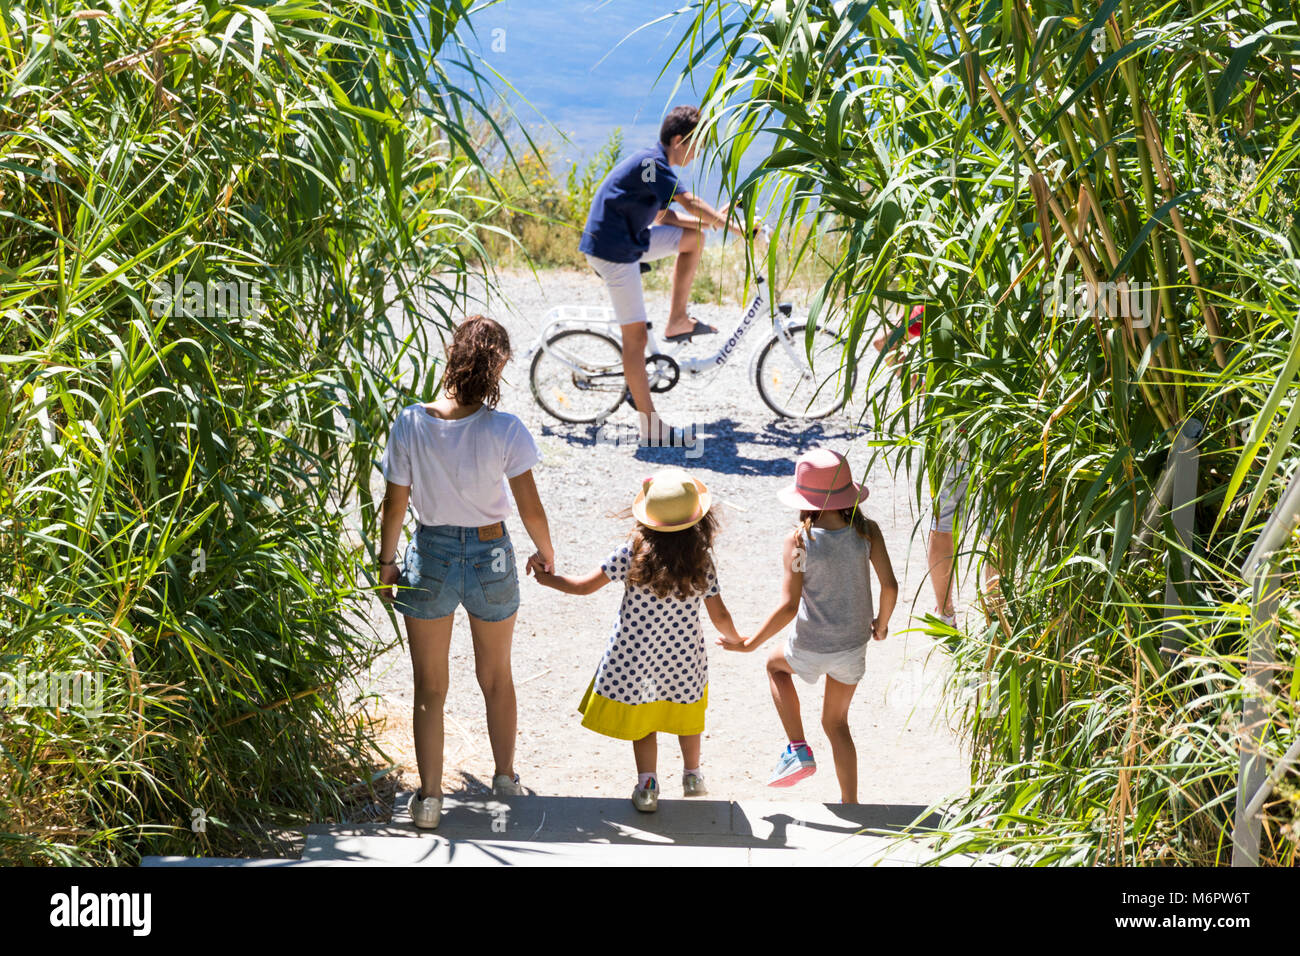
(204, 862)
(582, 818)
(583, 831)
(725, 851)
(602, 831)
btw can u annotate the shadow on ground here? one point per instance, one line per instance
(695, 822)
(725, 446)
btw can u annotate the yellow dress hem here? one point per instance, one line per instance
(634, 721)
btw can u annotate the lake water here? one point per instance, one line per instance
(584, 67)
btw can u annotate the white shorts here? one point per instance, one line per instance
(951, 507)
(847, 667)
(951, 496)
(623, 279)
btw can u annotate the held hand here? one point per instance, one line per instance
(388, 575)
(545, 578)
(879, 629)
(736, 644)
(539, 563)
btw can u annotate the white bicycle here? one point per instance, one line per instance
(576, 370)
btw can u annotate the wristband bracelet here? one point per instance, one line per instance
(386, 564)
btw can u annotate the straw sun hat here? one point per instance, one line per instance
(671, 500)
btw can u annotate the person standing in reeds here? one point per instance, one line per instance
(949, 506)
(451, 459)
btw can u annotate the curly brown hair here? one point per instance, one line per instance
(675, 563)
(476, 358)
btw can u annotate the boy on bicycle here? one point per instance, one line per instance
(630, 223)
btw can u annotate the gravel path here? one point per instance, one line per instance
(906, 751)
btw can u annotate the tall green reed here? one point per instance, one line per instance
(182, 481)
(976, 157)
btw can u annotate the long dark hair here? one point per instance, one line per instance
(476, 358)
(854, 516)
(673, 563)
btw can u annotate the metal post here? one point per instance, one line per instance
(1291, 756)
(1259, 673)
(1184, 460)
(1159, 502)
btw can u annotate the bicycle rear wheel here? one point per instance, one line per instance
(578, 376)
(793, 386)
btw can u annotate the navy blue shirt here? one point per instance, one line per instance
(634, 192)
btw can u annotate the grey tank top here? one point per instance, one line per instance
(835, 610)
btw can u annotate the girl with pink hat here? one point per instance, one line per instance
(654, 674)
(827, 593)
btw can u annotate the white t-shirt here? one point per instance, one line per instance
(457, 470)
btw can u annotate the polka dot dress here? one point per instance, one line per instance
(654, 674)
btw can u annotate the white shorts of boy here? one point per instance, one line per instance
(847, 667)
(623, 279)
(952, 495)
(951, 502)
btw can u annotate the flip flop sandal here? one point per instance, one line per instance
(699, 329)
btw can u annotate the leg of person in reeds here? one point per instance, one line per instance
(835, 721)
(995, 604)
(492, 667)
(429, 642)
(941, 564)
(786, 698)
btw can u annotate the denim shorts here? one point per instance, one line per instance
(447, 566)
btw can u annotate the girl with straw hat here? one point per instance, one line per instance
(654, 674)
(827, 592)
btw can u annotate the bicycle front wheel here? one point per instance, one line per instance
(578, 376)
(798, 382)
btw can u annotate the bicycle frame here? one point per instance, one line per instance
(564, 317)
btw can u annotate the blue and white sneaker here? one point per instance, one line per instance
(795, 764)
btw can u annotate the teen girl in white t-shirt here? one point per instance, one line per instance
(451, 460)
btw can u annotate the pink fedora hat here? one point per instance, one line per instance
(823, 481)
